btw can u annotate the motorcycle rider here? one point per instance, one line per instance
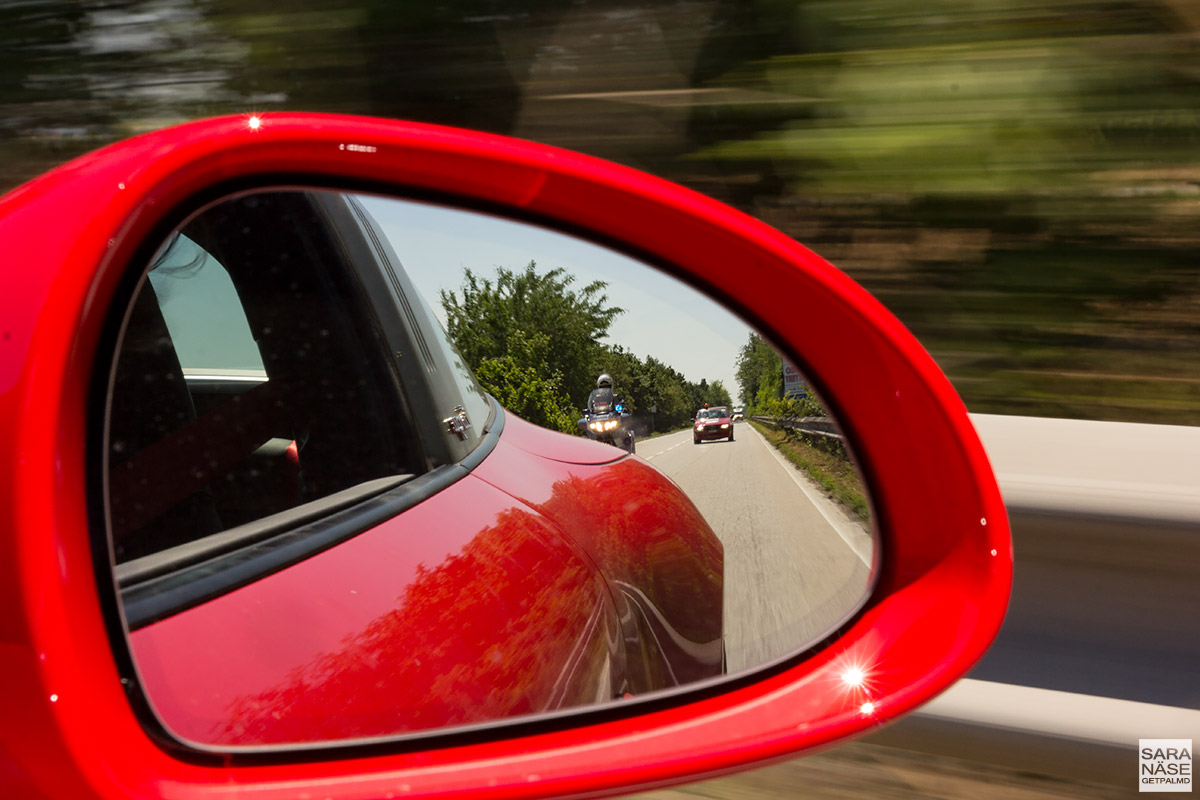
(602, 400)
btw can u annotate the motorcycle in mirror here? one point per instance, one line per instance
(611, 427)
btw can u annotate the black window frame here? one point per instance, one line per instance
(154, 589)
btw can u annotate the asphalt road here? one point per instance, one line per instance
(796, 564)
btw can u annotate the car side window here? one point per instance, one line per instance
(202, 312)
(252, 381)
(459, 402)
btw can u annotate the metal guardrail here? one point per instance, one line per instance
(1101, 644)
(819, 426)
(1083, 737)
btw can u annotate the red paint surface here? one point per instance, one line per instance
(945, 561)
(646, 538)
(479, 604)
(464, 609)
(556, 447)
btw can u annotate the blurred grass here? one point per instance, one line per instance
(1018, 182)
(861, 770)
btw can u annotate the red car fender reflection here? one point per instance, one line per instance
(659, 554)
(466, 608)
(643, 532)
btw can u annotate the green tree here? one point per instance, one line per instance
(759, 373)
(532, 339)
(705, 393)
(718, 395)
(525, 386)
(665, 389)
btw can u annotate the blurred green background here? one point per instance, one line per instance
(1018, 181)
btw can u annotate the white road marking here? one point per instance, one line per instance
(669, 449)
(819, 501)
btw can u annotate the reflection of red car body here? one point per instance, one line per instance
(712, 423)
(486, 568)
(533, 584)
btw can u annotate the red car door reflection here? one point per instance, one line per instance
(466, 608)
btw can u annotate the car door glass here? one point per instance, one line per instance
(448, 387)
(243, 389)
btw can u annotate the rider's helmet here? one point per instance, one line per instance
(605, 380)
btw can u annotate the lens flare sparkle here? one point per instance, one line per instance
(854, 677)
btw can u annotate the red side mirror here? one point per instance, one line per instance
(78, 237)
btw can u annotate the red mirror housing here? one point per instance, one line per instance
(944, 563)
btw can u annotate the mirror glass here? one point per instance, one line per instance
(377, 467)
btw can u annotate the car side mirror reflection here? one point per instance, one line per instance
(350, 493)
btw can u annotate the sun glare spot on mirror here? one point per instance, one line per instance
(867, 709)
(254, 123)
(856, 674)
(854, 677)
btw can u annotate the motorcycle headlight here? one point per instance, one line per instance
(612, 423)
(596, 426)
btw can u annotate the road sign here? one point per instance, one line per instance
(794, 385)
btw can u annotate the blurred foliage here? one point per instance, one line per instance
(1018, 182)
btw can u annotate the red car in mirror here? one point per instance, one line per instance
(712, 423)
